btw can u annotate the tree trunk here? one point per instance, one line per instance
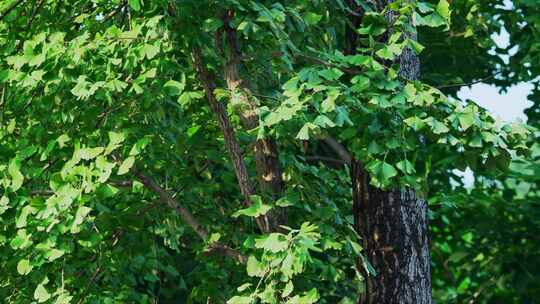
(393, 227)
(394, 230)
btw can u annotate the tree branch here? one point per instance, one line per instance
(468, 83)
(34, 13)
(266, 154)
(113, 13)
(325, 159)
(167, 198)
(231, 143)
(339, 149)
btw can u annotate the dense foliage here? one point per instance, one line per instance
(485, 245)
(135, 137)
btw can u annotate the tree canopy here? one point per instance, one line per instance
(198, 151)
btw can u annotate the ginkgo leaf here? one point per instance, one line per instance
(24, 267)
(135, 4)
(173, 87)
(41, 294)
(254, 267)
(126, 165)
(287, 290)
(466, 120)
(255, 210)
(406, 167)
(274, 242)
(240, 300)
(382, 171)
(14, 171)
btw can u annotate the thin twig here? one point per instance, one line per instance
(114, 12)
(468, 83)
(2, 103)
(87, 287)
(34, 13)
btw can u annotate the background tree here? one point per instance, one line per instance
(197, 151)
(476, 260)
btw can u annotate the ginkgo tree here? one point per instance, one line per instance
(226, 151)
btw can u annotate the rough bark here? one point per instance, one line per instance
(393, 227)
(394, 230)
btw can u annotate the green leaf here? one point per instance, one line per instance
(173, 87)
(254, 267)
(244, 286)
(240, 300)
(64, 298)
(323, 121)
(466, 120)
(24, 267)
(443, 8)
(329, 103)
(21, 220)
(255, 210)
(406, 167)
(192, 130)
(115, 139)
(359, 60)
(431, 20)
(22, 240)
(436, 126)
(126, 165)
(361, 83)
(17, 178)
(382, 171)
(476, 141)
(4, 204)
(417, 47)
(135, 4)
(287, 290)
(150, 51)
(54, 254)
(415, 123)
(374, 148)
(214, 237)
(212, 24)
(139, 146)
(62, 140)
(48, 150)
(186, 98)
(385, 53)
(89, 153)
(4, 75)
(80, 215)
(41, 294)
(303, 134)
(274, 242)
(331, 74)
(310, 297)
(16, 61)
(312, 18)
